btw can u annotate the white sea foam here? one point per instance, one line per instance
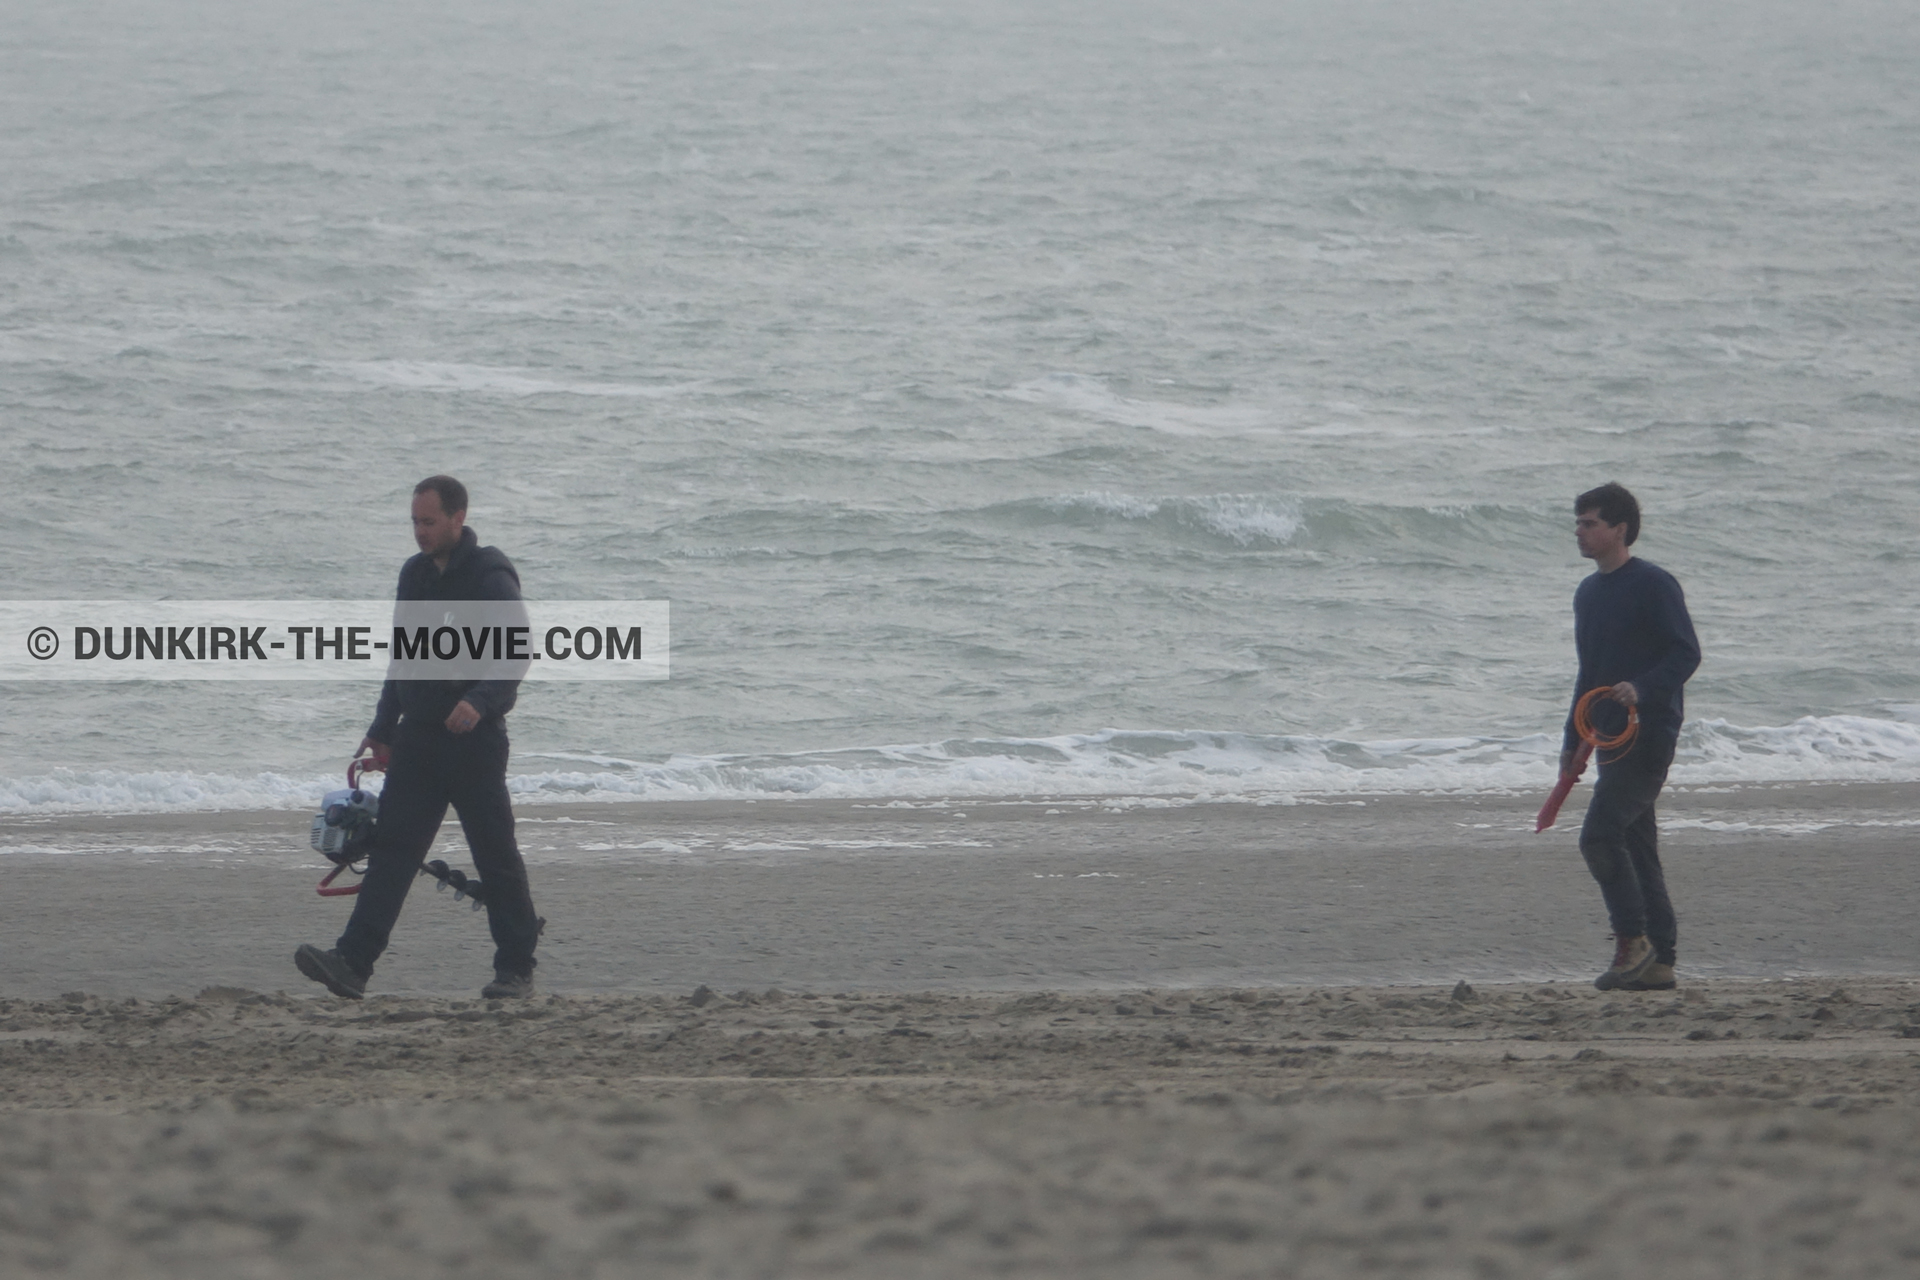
(1124, 505)
(1800, 827)
(1247, 520)
(1244, 519)
(1119, 766)
(1723, 827)
(157, 791)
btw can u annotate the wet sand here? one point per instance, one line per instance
(828, 1039)
(833, 895)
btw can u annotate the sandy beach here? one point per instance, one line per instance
(1038, 1039)
(1746, 1129)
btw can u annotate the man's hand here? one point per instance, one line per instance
(382, 753)
(1625, 694)
(1566, 764)
(463, 718)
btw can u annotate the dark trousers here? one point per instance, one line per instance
(1622, 846)
(431, 769)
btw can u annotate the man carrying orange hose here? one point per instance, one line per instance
(1632, 632)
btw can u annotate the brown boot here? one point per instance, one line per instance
(1631, 959)
(1657, 977)
(508, 986)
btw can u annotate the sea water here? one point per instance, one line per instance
(1011, 399)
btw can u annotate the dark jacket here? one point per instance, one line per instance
(1632, 624)
(473, 572)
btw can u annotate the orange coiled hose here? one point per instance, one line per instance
(1583, 723)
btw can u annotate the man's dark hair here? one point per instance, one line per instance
(453, 494)
(1615, 506)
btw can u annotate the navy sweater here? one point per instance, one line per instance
(1632, 625)
(473, 572)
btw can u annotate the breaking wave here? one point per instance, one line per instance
(1243, 767)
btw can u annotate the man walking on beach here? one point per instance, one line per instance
(442, 742)
(1632, 631)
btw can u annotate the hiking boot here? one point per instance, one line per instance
(1632, 957)
(1657, 977)
(508, 986)
(331, 970)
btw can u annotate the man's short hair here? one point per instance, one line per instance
(453, 494)
(1615, 506)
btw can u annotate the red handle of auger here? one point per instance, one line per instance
(1562, 789)
(344, 891)
(1590, 739)
(357, 768)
